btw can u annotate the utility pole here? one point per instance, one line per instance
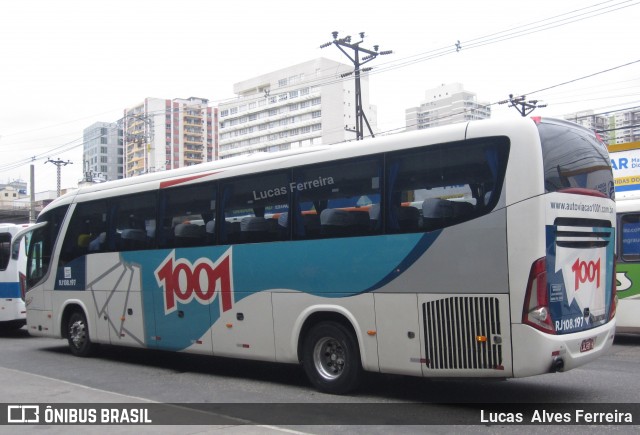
(59, 163)
(143, 140)
(32, 208)
(343, 43)
(526, 107)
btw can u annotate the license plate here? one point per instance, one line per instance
(587, 344)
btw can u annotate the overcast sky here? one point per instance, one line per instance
(66, 64)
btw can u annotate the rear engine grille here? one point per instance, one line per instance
(455, 329)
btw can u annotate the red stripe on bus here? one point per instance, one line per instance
(170, 183)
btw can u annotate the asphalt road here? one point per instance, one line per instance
(258, 397)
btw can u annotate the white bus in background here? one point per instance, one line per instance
(13, 314)
(481, 249)
(625, 161)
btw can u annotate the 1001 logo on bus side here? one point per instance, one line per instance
(203, 280)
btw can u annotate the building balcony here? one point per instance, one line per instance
(275, 130)
(131, 121)
(136, 162)
(193, 159)
(135, 148)
(193, 123)
(135, 168)
(193, 114)
(192, 141)
(262, 146)
(195, 118)
(194, 149)
(134, 132)
(271, 106)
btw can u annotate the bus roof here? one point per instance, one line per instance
(262, 162)
(627, 205)
(11, 227)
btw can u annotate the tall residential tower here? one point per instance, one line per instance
(305, 104)
(446, 104)
(166, 134)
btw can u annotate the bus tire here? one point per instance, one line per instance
(78, 335)
(331, 358)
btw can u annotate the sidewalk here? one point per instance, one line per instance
(19, 388)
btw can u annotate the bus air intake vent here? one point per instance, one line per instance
(463, 333)
(582, 233)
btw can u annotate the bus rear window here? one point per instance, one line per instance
(574, 158)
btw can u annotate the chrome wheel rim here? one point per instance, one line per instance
(329, 358)
(78, 334)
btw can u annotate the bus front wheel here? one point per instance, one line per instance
(331, 358)
(78, 335)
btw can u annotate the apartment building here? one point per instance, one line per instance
(302, 105)
(615, 127)
(626, 126)
(599, 122)
(162, 134)
(446, 104)
(102, 152)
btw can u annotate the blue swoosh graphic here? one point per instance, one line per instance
(327, 267)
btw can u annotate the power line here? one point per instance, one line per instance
(466, 44)
(506, 35)
(626, 127)
(534, 27)
(586, 77)
(554, 22)
(70, 145)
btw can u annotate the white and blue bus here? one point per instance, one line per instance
(481, 249)
(13, 263)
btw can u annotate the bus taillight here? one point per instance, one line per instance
(23, 285)
(536, 303)
(583, 191)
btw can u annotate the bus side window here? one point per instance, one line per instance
(134, 222)
(338, 199)
(188, 215)
(255, 208)
(443, 185)
(86, 230)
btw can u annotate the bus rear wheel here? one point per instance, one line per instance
(331, 358)
(78, 335)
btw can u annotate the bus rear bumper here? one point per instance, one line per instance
(536, 352)
(40, 323)
(12, 309)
